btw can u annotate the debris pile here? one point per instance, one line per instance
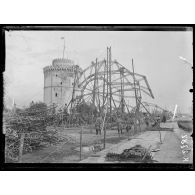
(33, 125)
(32, 141)
(135, 154)
(97, 148)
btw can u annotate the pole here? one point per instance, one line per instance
(122, 89)
(104, 127)
(21, 147)
(140, 97)
(104, 85)
(107, 73)
(110, 83)
(81, 132)
(94, 85)
(74, 85)
(135, 123)
(97, 86)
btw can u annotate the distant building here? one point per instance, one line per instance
(59, 81)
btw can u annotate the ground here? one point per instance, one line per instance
(166, 145)
(69, 151)
(169, 151)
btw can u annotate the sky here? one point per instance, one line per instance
(155, 55)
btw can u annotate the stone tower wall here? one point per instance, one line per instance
(58, 82)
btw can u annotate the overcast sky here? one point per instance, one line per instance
(155, 54)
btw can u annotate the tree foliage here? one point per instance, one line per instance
(38, 107)
(87, 111)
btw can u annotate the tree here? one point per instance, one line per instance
(87, 111)
(38, 107)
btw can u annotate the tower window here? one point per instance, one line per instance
(61, 83)
(56, 75)
(56, 94)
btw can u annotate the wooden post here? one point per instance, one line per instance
(103, 126)
(128, 123)
(160, 137)
(129, 134)
(122, 89)
(110, 82)
(74, 86)
(136, 110)
(104, 86)
(21, 147)
(104, 136)
(107, 74)
(139, 100)
(95, 82)
(160, 133)
(81, 132)
(98, 90)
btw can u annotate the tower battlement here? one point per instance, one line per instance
(58, 81)
(63, 62)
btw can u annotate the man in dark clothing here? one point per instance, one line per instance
(120, 127)
(98, 125)
(147, 121)
(128, 126)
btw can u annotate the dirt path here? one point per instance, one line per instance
(171, 151)
(145, 139)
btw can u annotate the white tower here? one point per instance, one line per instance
(59, 81)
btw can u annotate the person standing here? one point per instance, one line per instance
(120, 127)
(128, 126)
(98, 125)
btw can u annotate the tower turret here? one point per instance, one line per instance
(58, 81)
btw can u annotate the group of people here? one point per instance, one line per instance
(121, 125)
(127, 125)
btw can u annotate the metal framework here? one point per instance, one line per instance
(152, 108)
(108, 81)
